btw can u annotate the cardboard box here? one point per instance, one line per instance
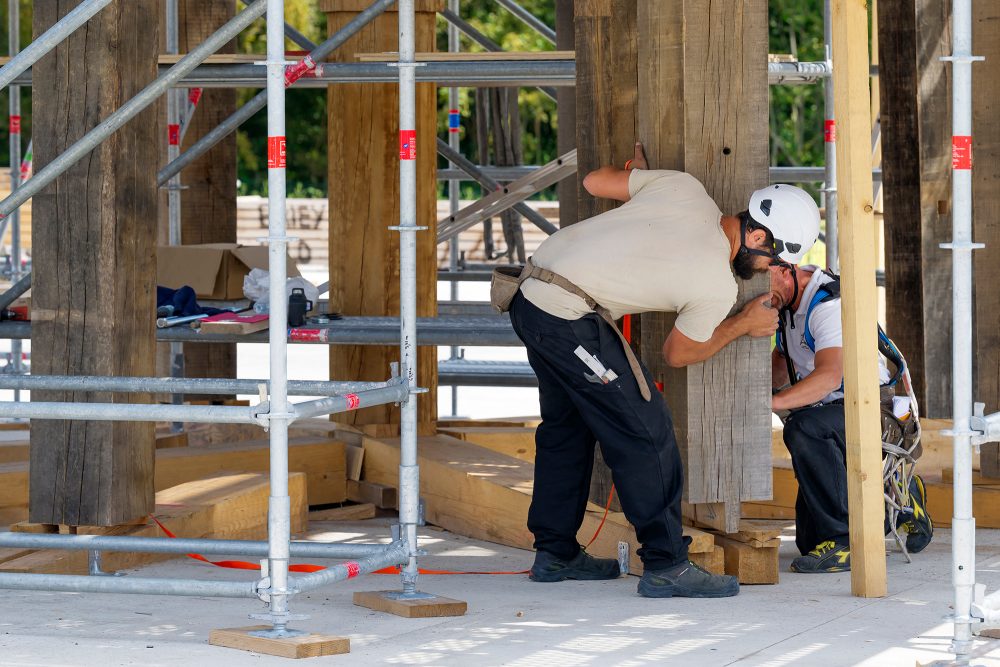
(213, 270)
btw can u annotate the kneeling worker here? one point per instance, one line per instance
(668, 248)
(808, 362)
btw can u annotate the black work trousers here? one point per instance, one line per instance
(636, 438)
(815, 437)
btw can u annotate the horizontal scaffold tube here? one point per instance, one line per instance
(166, 545)
(397, 554)
(71, 583)
(138, 412)
(152, 385)
(364, 399)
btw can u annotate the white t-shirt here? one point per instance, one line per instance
(661, 251)
(825, 327)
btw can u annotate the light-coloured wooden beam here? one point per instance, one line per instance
(858, 303)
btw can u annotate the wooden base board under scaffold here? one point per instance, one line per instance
(429, 607)
(303, 646)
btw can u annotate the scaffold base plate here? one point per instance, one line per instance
(304, 646)
(424, 607)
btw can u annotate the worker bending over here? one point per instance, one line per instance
(668, 248)
(807, 370)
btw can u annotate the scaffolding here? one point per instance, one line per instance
(274, 411)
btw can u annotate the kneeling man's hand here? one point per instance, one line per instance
(760, 319)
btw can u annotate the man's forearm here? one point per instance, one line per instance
(729, 330)
(807, 391)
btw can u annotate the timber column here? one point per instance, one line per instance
(94, 242)
(364, 145)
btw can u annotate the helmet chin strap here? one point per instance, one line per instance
(787, 308)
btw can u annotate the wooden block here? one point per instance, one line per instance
(516, 441)
(506, 422)
(762, 510)
(421, 608)
(382, 496)
(234, 323)
(170, 440)
(714, 561)
(323, 461)
(27, 527)
(940, 503)
(305, 646)
(14, 451)
(225, 507)
(355, 458)
(750, 565)
(345, 513)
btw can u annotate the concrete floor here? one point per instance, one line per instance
(804, 621)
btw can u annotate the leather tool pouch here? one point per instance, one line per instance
(504, 284)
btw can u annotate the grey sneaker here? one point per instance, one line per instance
(687, 580)
(582, 567)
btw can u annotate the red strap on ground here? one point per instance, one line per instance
(607, 508)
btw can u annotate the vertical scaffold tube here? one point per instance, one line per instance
(454, 138)
(14, 41)
(963, 524)
(409, 479)
(830, 151)
(174, 185)
(278, 517)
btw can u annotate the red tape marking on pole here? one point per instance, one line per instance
(15, 125)
(407, 144)
(961, 153)
(174, 134)
(352, 401)
(194, 95)
(309, 335)
(299, 70)
(830, 131)
(276, 153)
(353, 569)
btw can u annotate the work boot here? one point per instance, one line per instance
(687, 580)
(828, 556)
(582, 567)
(919, 527)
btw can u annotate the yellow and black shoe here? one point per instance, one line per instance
(828, 556)
(919, 527)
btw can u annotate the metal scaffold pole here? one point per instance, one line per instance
(963, 524)
(174, 185)
(279, 504)
(14, 35)
(454, 137)
(830, 150)
(409, 472)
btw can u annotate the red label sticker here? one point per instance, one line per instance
(830, 131)
(15, 125)
(194, 95)
(961, 152)
(299, 70)
(276, 153)
(174, 135)
(353, 569)
(352, 401)
(407, 144)
(309, 335)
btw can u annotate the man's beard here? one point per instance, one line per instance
(743, 266)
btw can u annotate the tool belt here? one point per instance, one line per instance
(506, 281)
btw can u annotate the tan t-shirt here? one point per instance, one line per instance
(663, 250)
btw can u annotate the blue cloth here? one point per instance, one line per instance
(183, 300)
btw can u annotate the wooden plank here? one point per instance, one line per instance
(224, 507)
(231, 323)
(978, 478)
(345, 513)
(14, 452)
(916, 177)
(518, 442)
(859, 299)
(380, 495)
(170, 440)
(941, 498)
(304, 646)
(749, 564)
(93, 295)
(355, 459)
(434, 607)
(363, 134)
(480, 493)
(714, 561)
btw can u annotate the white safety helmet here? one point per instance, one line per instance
(792, 217)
